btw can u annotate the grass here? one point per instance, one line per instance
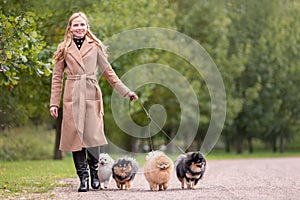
(26, 143)
(24, 177)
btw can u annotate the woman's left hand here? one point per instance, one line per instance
(133, 96)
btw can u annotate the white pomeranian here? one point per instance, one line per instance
(105, 169)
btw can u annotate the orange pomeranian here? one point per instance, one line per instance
(157, 170)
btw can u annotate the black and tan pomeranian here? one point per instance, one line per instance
(105, 172)
(158, 170)
(124, 171)
(190, 168)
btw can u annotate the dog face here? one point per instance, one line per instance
(105, 160)
(122, 167)
(195, 161)
(125, 167)
(163, 163)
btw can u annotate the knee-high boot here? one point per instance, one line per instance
(80, 161)
(93, 164)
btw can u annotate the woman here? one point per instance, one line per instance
(79, 56)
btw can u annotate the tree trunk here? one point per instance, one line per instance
(281, 142)
(250, 145)
(135, 145)
(239, 140)
(142, 145)
(239, 145)
(172, 144)
(227, 144)
(274, 145)
(58, 155)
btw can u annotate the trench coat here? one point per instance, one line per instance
(82, 124)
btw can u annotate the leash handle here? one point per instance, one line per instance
(131, 98)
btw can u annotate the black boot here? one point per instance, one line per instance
(81, 166)
(93, 164)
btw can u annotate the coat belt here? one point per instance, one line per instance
(80, 96)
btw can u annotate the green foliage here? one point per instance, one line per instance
(20, 46)
(25, 66)
(26, 144)
(253, 43)
(266, 84)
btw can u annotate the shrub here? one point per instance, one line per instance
(26, 143)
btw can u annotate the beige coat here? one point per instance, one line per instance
(82, 124)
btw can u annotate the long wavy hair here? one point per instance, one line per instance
(63, 47)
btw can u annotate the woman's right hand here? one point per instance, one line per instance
(54, 111)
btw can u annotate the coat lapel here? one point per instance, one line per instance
(78, 55)
(86, 46)
(74, 52)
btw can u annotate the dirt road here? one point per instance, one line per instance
(274, 178)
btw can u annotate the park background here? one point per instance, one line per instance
(255, 45)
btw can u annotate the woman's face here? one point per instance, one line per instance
(79, 27)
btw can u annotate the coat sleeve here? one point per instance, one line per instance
(57, 83)
(110, 74)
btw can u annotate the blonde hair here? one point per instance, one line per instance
(63, 47)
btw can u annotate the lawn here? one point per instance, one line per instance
(22, 177)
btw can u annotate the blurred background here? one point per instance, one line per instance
(255, 45)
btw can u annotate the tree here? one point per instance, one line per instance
(22, 71)
(209, 24)
(278, 98)
(267, 69)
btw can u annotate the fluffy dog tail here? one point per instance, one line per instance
(154, 154)
(179, 159)
(135, 164)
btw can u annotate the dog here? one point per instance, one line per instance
(158, 169)
(190, 168)
(105, 172)
(124, 171)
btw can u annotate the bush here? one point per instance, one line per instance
(26, 143)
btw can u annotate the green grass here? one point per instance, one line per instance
(22, 177)
(27, 143)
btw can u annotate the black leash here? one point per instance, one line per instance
(154, 122)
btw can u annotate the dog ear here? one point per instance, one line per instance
(195, 155)
(201, 157)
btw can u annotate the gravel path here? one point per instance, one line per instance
(274, 178)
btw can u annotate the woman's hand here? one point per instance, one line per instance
(54, 111)
(133, 96)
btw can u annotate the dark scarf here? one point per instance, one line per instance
(79, 42)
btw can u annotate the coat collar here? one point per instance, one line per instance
(79, 54)
(86, 46)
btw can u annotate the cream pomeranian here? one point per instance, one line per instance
(104, 172)
(158, 170)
